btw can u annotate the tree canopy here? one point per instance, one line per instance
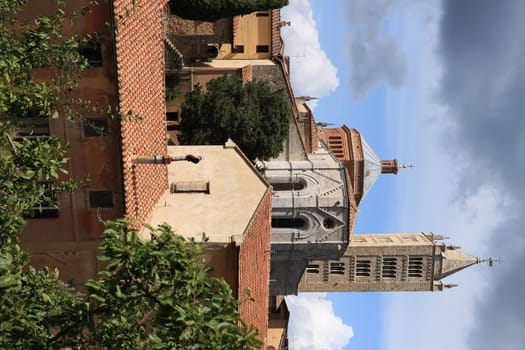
(212, 10)
(153, 294)
(252, 115)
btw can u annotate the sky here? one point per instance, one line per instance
(439, 84)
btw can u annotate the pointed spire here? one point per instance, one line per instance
(454, 260)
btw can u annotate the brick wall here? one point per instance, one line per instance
(140, 76)
(254, 267)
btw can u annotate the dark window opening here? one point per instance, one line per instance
(238, 49)
(190, 187)
(297, 185)
(172, 116)
(100, 199)
(362, 268)
(92, 52)
(389, 268)
(312, 268)
(213, 51)
(415, 267)
(262, 14)
(32, 127)
(47, 208)
(172, 121)
(93, 127)
(262, 48)
(337, 268)
(328, 223)
(287, 186)
(173, 127)
(296, 223)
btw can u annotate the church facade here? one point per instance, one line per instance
(314, 207)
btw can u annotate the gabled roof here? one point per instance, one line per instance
(140, 85)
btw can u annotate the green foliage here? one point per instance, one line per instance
(154, 294)
(30, 167)
(252, 115)
(35, 305)
(212, 10)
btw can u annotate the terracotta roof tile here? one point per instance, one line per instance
(254, 267)
(140, 77)
(236, 21)
(247, 74)
(276, 32)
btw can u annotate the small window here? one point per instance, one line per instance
(262, 14)
(415, 266)
(337, 268)
(329, 223)
(292, 223)
(190, 187)
(384, 239)
(172, 121)
(100, 199)
(92, 52)
(262, 48)
(362, 267)
(312, 268)
(32, 127)
(93, 127)
(298, 184)
(389, 269)
(409, 239)
(47, 208)
(172, 116)
(238, 49)
(358, 239)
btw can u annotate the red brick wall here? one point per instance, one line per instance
(140, 75)
(254, 268)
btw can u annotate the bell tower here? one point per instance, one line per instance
(387, 262)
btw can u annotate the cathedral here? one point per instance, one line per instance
(314, 207)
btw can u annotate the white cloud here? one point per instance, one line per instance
(375, 58)
(308, 62)
(437, 196)
(314, 325)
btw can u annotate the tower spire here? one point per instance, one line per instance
(454, 260)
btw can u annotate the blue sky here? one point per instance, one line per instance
(438, 84)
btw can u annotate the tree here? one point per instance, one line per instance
(212, 10)
(30, 166)
(155, 294)
(252, 115)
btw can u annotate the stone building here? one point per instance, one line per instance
(314, 208)
(388, 262)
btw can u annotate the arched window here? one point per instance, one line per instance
(283, 184)
(297, 222)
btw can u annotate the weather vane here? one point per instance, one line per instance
(492, 261)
